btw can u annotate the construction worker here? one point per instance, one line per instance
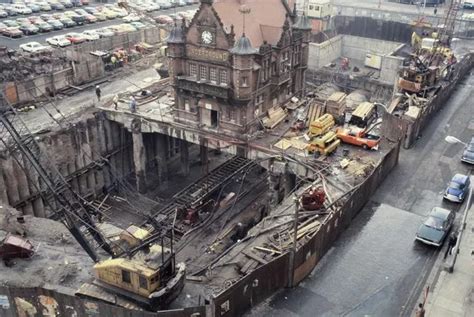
(97, 92)
(115, 101)
(420, 311)
(133, 104)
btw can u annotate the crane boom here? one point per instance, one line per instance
(65, 204)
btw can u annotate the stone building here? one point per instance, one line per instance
(235, 60)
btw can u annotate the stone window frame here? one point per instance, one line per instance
(193, 70)
(223, 80)
(203, 76)
(213, 75)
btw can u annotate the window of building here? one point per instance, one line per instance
(143, 282)
(193, 70)
(213, 75)
(202, 72)
(245, 81)
(316, 8)
(126, 277)
(311, 7)
(259, 100)
(223, 77)
(186, 105)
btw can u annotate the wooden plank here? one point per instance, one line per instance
(252, 255)
(271, 251)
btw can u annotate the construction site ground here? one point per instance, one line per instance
(59, 262)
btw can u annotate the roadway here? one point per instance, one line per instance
(41, 37)
(375, 268)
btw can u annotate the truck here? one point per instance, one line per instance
(325, 144)
(321, 125)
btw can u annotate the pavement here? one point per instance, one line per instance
(453, 293)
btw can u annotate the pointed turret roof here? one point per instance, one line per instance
(243, 46)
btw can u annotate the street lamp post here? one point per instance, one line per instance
(453, 140)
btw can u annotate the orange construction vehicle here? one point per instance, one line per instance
(360, 137)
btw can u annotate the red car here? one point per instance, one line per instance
(75, 38)
(12, 32)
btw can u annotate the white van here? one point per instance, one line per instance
(22, 9)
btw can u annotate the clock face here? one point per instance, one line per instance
(206, 37)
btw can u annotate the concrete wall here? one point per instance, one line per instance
(356, 47)
(321, 54)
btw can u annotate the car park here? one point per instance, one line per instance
(43, 26)
(458, 188)
(436, 227)
(56, 24)
(468, 153)
(58, 41)
(34, 47)
(29, 29)
(105, 32)
(75, 38)
(91, 35)
(13, 32)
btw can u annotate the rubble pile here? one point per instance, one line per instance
(17, 66)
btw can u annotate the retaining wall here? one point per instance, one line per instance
(76, 152)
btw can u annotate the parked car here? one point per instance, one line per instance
(46, 16)
(12, 32)
(105, 32)
(56, 5)
(3, 13)
(67, 22)
(109, 14)
(2, 27)
(56, 24)
(127, 27)
(90, 10)
(100, 16)
(58, 41)
(75, 38)
(436, 227)
(43, 26)
(164, 19)
(28, 28)
(34, 7)
(138, 25)
(468, 154)
(34, 47)
(164, 4)
(85, 2)
(11, 23)
(66, 3)
(131, 18)
(10, 10)
(22, 20)
(458, 188)
(91, 35)
(79, 19)
(22, 9)
(44, 6)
